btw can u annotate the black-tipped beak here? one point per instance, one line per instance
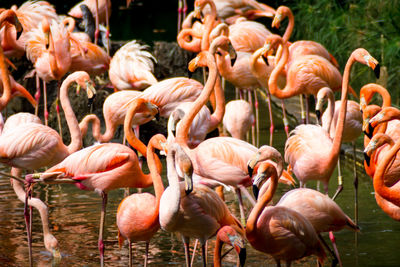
(318, 114)
(265, 59)
(233, 60)
(188, 184)
(367, 159)
(190, 74)
(242, 256)
(157, 115)
(255, 191)
(377, 71)
(370, 131)
(194, 19)
(250, 170)
(19, 34)
(90, 103)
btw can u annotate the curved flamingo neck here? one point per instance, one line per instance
(273, 79)
(8, 16)
(209, 21)
(368, 91)
(6, 96)
(183, 130)
(96, 128)
(251, 225)
(130, 135)
(73, 126)
(388, 193)
(217, 251)
(219, 111)
(290, 27)
(193, 45)
(253, 62)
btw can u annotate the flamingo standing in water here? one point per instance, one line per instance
(352, 130)
(137, 215)
(106, 167)
(194, 211)
(309, 150)
(283, 233)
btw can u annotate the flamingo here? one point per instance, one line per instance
(29, 14)
(352, 130)
(48, 48)
(137, 215)
(105, 167)
(229, 235)
(131, 67)
(378, 140)
(238, 118)
(305, 75)
(368, 91)
(282, 232)
(309, 150)
(166, 94)
(194, 211)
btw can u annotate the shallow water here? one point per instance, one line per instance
(75, 214)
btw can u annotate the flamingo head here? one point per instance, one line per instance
(264, 172)
(362, 55)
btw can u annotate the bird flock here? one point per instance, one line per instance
(234, 48)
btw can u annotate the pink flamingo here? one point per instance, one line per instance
(137, 215)
(131, 67)
(29, 14)
(106, 167)
(238, 118)
(309, 150)
(352, 130)
(229, 235)
(194, 211)
(282, 232)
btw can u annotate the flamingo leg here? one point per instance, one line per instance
(58, 109)
(241, 208)
(146, 255)
(37, 95)
(253, 130)
(102, 220)
(130, 252)
(185, 8)
(97, 31)
(333, 240)
(303, 113)
(247, 195)
(27, 224)
(335, 260)
(180, 3)
(340, 181)
(194, 251)
(46, 113)
(285, 120)
(204, 254)
(187, 250)
(307, 110)
(355, 184)
(107, 30)
(271, 118)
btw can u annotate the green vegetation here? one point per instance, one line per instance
(342, 26)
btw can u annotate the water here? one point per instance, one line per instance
(75, 215)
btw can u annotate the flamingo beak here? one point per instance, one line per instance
(256, 184)
(367, 159)
(188, 183)
(252, 163)
(368, 130)
(277, 21)
(157, 116)
(242, 257)
(377, 71)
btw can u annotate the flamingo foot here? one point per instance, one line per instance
(101, 250)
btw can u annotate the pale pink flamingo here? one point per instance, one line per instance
(132, 67)
(166, 94)
(48, 48)
(105, 166)
(323, 213)
(238, 118)
(309, 150)
(137, 215)
(352, 130)
(281, 232)
(29, 14)
(193, 210)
